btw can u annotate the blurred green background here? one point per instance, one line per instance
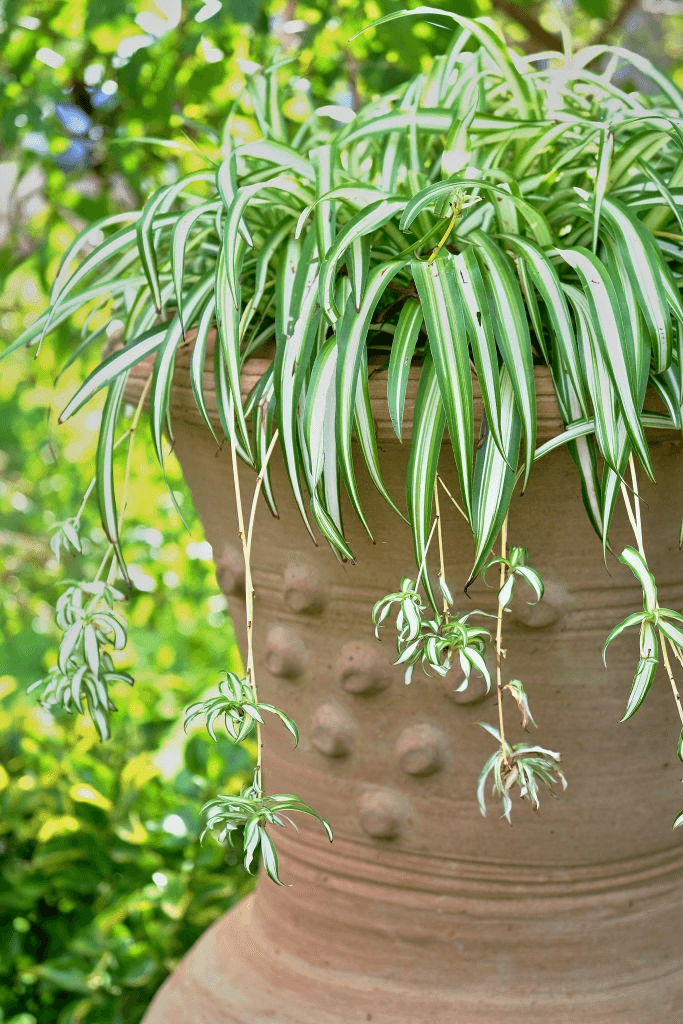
(103, 882)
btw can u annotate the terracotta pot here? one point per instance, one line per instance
(422, 910)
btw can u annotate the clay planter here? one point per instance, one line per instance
(422, 910)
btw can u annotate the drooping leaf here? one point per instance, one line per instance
(402, 349)
(428, 427)
(494, 478)
(445, 323)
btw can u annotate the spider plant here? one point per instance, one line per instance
(494, 214)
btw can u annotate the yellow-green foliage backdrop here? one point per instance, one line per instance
(103, 883)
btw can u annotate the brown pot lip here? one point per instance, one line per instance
(549, 422)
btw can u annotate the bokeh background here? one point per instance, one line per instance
(103, 882)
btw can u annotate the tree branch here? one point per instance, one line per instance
(538, 34)
(620, 15)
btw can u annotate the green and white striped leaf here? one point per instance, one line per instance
(82, 239)
(362, 223)
(146, 230)
(512, 332)
(352, 332)
(429, 422)
(358, 264)
(162, 377)
(642, 262)
(364, 427)
(179, 236)
(402, 349)
(104, 470)
(228, 306)
(638, 566)
(114, 366)
(298, 285)
(615, 345)
(429, 195)
(198, 360)
(279, 154)
(635, 619)
(494, 478)
(547, 282)
(437, 287)
(645, 672)
(599, 382)
(477, 307)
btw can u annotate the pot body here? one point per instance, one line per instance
(423, 910)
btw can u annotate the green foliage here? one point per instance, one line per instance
(434, 641)
(521, 765)
(236, 707)
(87, 826)
(104, 883)
(252, 812)
(513, 273)
(539, 223)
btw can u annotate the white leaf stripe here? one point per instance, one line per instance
(351, 338)
(445, 322)
(428, 428)
(611, 332)
(403, 346)
(513, 336)
(494, 478)
(114, 365)
(104, 463)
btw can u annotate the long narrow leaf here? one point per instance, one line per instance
(402, 349)
(494, 478)
(429, 423)
(351, 338)
(445, 322)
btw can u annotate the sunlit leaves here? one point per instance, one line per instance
(656, 624)
(238, 709)
(434, 641)
(84, 671)
(255, 813)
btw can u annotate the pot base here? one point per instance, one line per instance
(243, 970)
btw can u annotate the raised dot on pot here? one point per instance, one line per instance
(332, 731)
(421, 749)
(539, 614)
(285, 654)
(230, 570)
(303, 590)
(382, 813)
(361, 669)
